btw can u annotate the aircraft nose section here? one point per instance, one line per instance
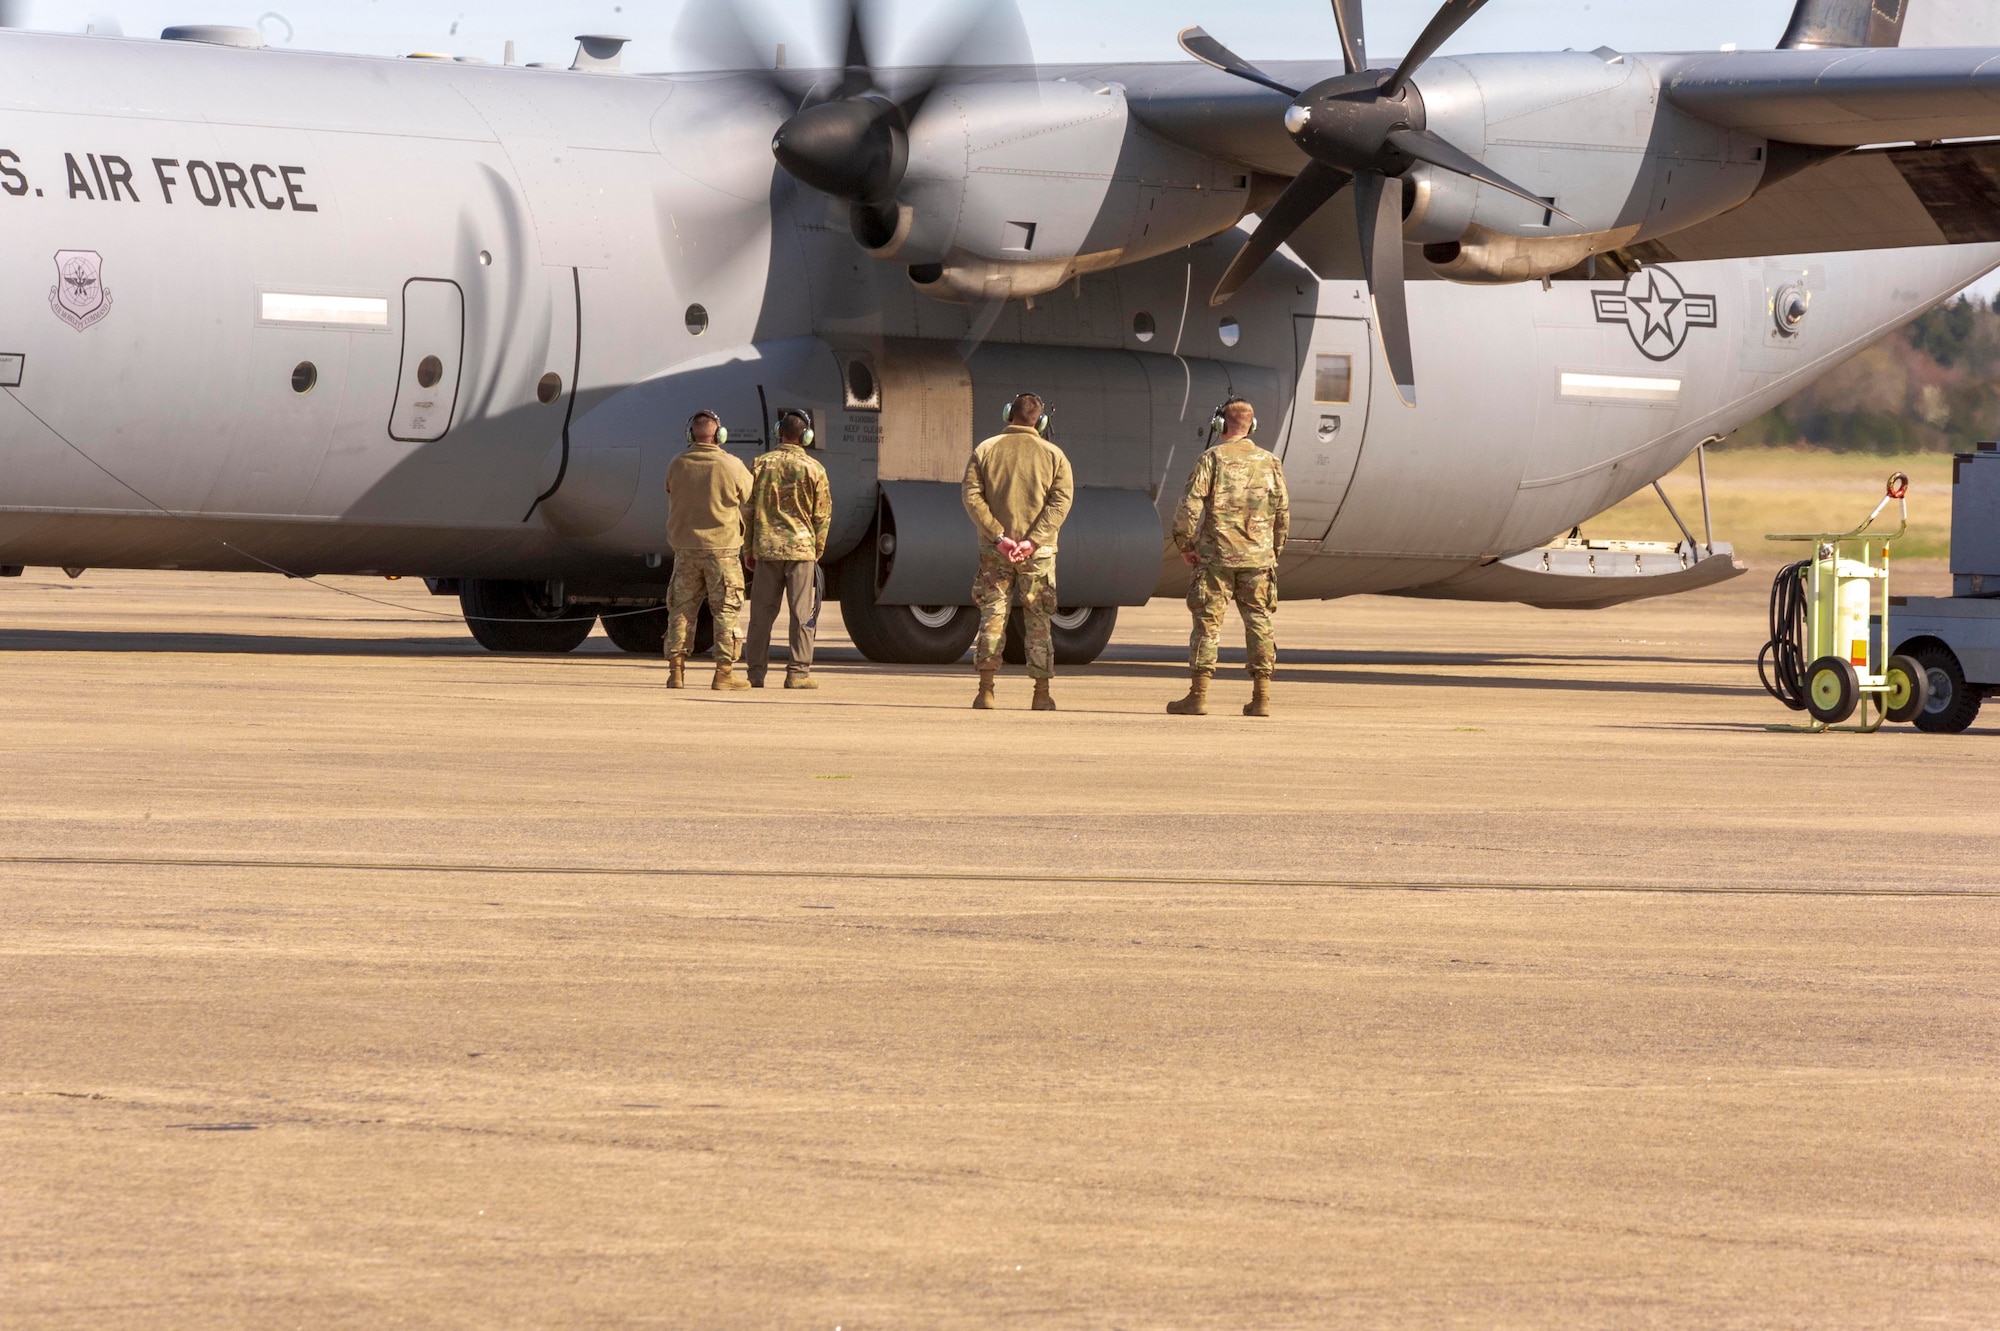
(849, 148)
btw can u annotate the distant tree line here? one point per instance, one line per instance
(1932, 388)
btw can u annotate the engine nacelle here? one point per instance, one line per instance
(1013, 189)
(1587, 131)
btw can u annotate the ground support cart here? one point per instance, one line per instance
(1830, 628)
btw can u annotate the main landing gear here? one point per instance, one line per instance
(535, 618)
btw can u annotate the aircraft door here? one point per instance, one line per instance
(433, 348)
(1322, 439)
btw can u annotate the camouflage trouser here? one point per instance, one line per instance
(993, 591)
(1255, 591)
(713, 576)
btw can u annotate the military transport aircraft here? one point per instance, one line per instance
(332, 314)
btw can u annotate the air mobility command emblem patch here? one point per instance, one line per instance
(79, 297)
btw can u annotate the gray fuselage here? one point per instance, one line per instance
(246, 214)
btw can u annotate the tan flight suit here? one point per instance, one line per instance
(706, 491)
(1018, 485)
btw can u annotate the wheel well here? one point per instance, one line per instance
(1911, 646)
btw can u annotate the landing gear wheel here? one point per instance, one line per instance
(1832, 690)
(1079, 636)
(645, 633)
(1909, 690)
(518, 617)
(1950, 704)
(901, 634)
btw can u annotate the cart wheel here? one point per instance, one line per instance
(1832, 690)
(1909, 690)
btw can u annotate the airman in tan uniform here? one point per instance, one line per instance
(1018, 489)
(706, 493)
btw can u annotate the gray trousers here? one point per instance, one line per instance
(775, 580)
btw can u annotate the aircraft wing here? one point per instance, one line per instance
(1843, 98)
(1877, 199)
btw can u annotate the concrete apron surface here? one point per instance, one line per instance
(1513, 974)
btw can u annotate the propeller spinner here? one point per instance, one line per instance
(1365, 129)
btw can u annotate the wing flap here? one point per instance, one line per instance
(1880, 199)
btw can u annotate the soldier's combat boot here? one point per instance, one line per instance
(726, 681)
(1260, 696)
(984, 701)
(1196, 702)
(676, 672)
(1043, 702)
(800, 681)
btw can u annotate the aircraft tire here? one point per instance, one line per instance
(901, 634)
(645, 633)
(1080, 636)
(504, 617)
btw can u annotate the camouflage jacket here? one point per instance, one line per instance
(791, 505)
(1236, 511)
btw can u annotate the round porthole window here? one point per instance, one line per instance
(305, 377)
(486, 258)
(1230, 332)
(429, 370)
(549, 389)
(1143, 326)
(697, 320)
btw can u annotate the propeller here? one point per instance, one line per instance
(849, 134)
(1364, 129)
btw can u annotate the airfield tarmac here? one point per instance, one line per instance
(1513, 975)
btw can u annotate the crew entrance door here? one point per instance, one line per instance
(433, 345)
(1322, 440)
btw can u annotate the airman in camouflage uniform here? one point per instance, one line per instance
(791, 510)
(706, 493)
(1230, 527)
(1018, 489)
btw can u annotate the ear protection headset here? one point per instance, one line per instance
(1041, 426)
(1220, 421)
(803, 419)
(721, 430)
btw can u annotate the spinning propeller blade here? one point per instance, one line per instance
(1442, 27)
(1309, 190)
(1428, 147)
(1211, 52)
(1378, 207)
(1353, 46)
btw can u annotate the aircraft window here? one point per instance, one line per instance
(486, 258)
(549, 389)
(1230, 332)
(1333, 379)
(863, 392)
(697, 320)
(1143, 326)
(304, 376)
(429, 370)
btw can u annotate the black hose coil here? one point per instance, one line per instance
(1786, 651)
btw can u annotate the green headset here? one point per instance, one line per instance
(1220, 422)
(1041, 426)
(721, 430)
(803, 418)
